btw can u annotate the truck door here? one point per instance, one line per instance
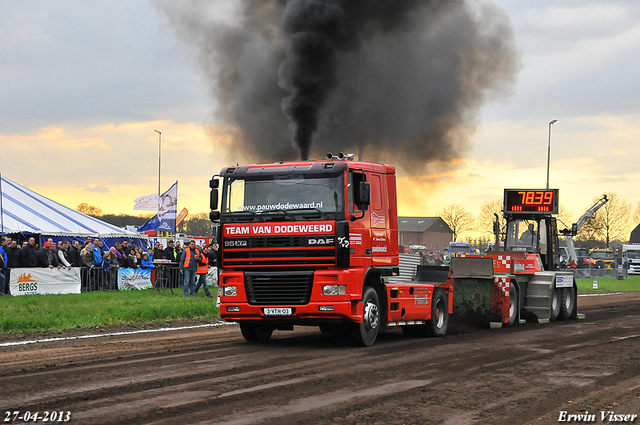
(549, 244)
(380, 236)
(359, 218)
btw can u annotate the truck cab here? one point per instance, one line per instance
(631, 257)
(602, 258)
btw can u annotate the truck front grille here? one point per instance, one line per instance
(278, 288)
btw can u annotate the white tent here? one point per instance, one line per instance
(25, 211)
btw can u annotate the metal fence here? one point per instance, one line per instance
(98, 279)
(589, 272)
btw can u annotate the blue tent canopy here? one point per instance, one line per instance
(24, 211)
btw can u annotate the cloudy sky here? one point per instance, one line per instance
(83, 86)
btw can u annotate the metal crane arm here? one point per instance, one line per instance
(575, 227)
(587, 215)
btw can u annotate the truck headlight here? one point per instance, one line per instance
(229, 291)
(334, 289)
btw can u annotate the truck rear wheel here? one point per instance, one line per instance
(255, 332)
(567, 303)
(514, 304)
(364, 334)
(556, 301)
(437, 326)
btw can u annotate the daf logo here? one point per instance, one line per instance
(321, 241)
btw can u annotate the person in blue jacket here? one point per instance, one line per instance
(145, 263)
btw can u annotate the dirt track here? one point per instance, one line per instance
(526, 374)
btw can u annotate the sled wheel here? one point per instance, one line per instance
(567, 303)
(556, 298)
(514, 304)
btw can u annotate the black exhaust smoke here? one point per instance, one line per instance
(402, 79)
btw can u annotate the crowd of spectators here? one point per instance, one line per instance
(92, 255)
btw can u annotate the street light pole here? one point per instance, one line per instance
(159, 163)
(549, 150)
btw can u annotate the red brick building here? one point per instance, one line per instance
(432, 232)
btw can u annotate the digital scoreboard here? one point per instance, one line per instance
(531, 201)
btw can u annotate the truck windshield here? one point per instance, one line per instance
(455, 249)
(633, 254)
(522, 235)
(601, 255)
(288, 197)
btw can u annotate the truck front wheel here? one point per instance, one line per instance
(255, 332)
(365, 333)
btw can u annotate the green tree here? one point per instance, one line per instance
(196, 225)
(458, 219)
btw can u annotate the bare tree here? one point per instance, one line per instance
(566, 217)
(609, 223)
(636, 215)
(486, 217)
(458, 219)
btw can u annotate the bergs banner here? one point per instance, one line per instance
(31, 281)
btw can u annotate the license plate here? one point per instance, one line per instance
(278, 311)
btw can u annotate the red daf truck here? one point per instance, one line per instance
(315, 243)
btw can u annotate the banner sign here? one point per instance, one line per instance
(165, 219)
(183, 214)
(132, 279)
(31, 281)
(168, 209)
(148, 203)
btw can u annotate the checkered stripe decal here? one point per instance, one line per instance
(504, 261)
(504, 284)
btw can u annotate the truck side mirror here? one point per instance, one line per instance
(213, 199)
(214, 216)
(214, 183)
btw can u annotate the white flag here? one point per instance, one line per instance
(147, 203)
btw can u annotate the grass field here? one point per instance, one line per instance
(56, 312)
(609, 284)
